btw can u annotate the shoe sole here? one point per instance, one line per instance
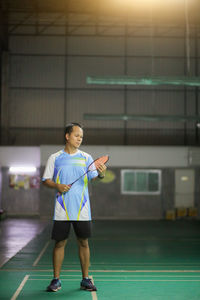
(87, 289)
(50, 290)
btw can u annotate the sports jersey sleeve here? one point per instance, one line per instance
(94, 173)
(49, 169)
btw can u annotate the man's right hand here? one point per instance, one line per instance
(63, 188)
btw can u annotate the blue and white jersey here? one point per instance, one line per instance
(65, 168)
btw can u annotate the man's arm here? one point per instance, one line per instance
(62, 188)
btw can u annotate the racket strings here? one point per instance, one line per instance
(98, 162)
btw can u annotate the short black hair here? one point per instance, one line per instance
(69, 127)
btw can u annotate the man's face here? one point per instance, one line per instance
(75, 138)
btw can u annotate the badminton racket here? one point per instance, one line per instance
(94, 166)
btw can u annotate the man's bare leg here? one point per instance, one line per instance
(84, 255)
(58, 256)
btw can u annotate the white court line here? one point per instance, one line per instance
(132, 264)
(94, 294)
(94, 297)
(41, 253)
(117, 280)
(139, 271)
(47, 275)
(116, 276)
(39, 279)
(104, 271)
(135, 263)
(20, 287)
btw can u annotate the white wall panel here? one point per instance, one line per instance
(133, 156)
(79, 68)
(96, 45)
(37, 45)
(80, 102)
(35, 71)
(16, 156)
(36, 108)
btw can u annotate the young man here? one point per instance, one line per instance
(72, 205)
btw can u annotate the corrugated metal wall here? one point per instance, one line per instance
(49, 63)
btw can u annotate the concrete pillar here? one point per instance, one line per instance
(5, 98)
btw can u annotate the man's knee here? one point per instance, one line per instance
(83, 242)
(60, 244)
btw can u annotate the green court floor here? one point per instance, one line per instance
(142, 260)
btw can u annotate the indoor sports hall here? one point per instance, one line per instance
(82, 79)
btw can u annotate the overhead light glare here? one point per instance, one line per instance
(22, 169)
(184, 178)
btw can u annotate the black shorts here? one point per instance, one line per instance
(61, 229)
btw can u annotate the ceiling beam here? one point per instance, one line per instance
(148, 118)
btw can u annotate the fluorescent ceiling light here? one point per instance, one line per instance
(22, 169)
(151, 80)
